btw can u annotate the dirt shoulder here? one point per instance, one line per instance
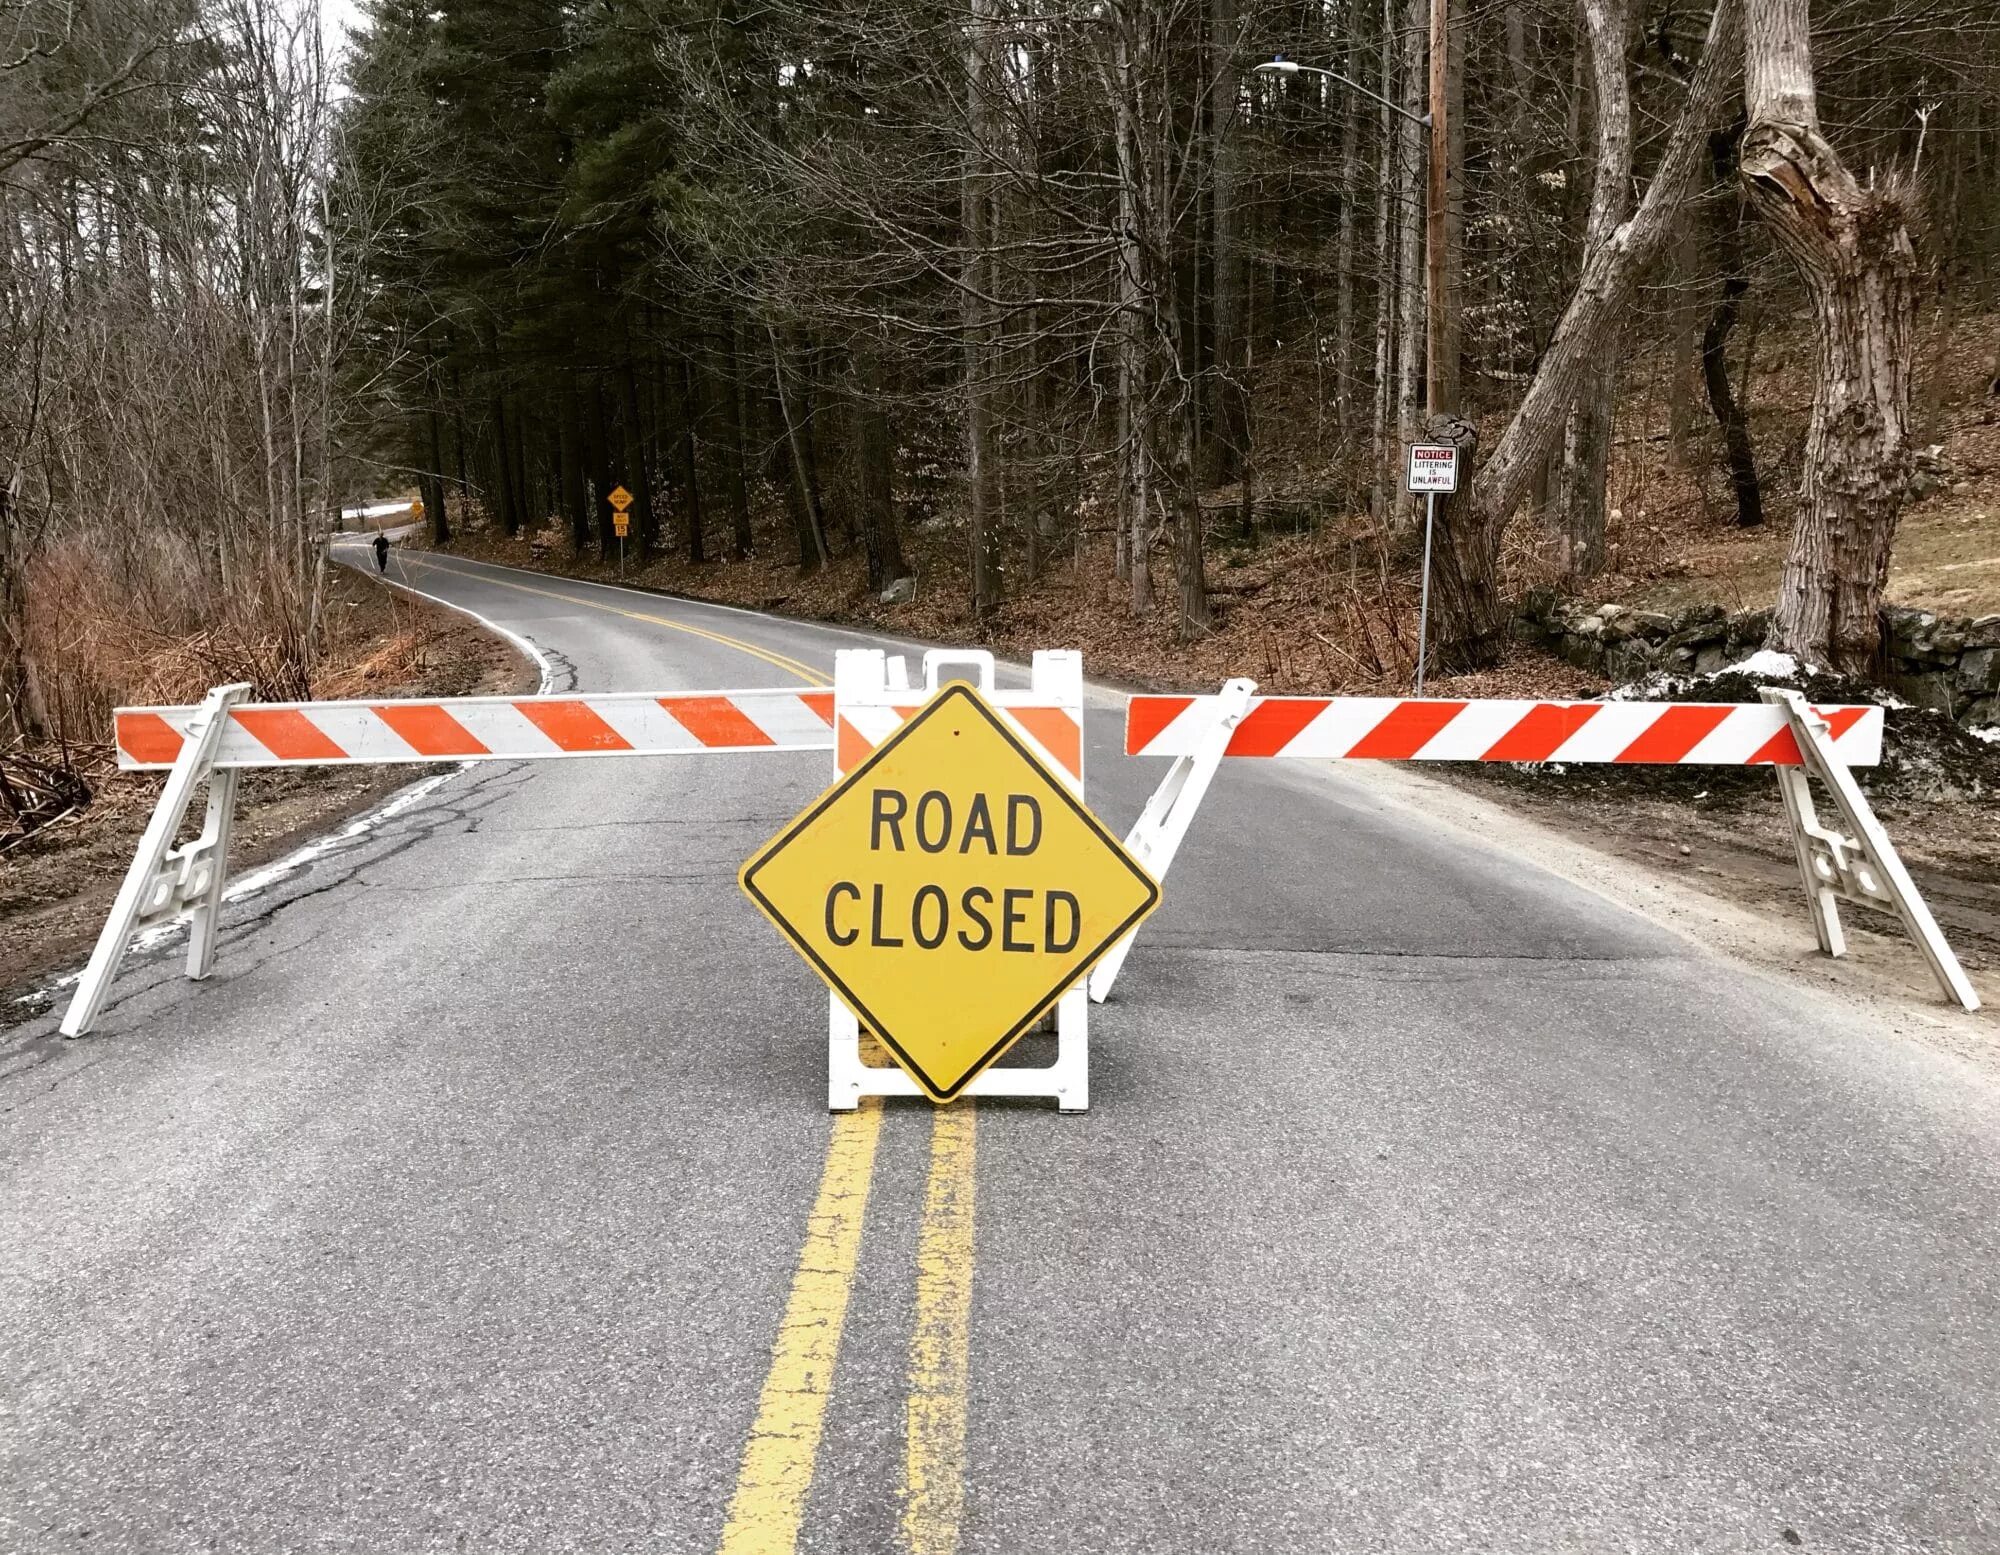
(1725, 879)
(57, 885)
(1737, 848)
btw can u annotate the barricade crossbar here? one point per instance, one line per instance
(1434, 729)
(280, 734)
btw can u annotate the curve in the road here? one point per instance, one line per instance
(1427, 1203)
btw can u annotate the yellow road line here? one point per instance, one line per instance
(777, 1467)
(776, 1472)
(934, 1426)
(781, 661)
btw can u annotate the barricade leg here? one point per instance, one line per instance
(214, 845)
(1861, 866)
(1156, 836)
(164, 880)
(843, 1057)
(1821, 901)
(1067, 1079)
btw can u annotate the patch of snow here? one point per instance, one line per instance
(1764, 664)
(1990, 734)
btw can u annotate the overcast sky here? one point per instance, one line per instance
(337, 16)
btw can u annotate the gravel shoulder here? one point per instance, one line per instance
(1726, 880)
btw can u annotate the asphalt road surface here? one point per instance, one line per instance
(485, 1200)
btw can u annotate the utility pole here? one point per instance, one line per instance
(1437, 304)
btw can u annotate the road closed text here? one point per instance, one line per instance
(1024, 920)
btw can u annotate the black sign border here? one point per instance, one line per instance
(956, 691)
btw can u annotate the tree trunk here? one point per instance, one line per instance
(433, 483)
(1409, 197)
(27, 714)
(976, 273)
(503, 470)
(1465, 555)
(516, 453)
(877, 447)
(1584, 494)
(1232, 409)
(690, 481)
(1729, 413)
(458, 443)
(1383, 479)
(812, 529)
(1350, 187)
(600, 466)
(575, 499)
(741, 540)
(1134, 410)
(1452, 337)
(645, 523)
(1190, 571)
(1595, 312)
(1851, 245)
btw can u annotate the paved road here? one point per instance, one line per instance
(484, 1201)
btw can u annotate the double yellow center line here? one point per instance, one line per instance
(774, 1478)
(781, 661)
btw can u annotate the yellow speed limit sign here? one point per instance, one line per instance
(950, 889)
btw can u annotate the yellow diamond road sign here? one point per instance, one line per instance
(950, 889)
(619, 498)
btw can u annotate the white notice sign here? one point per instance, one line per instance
(1433, 467)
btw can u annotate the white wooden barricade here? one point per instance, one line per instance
(1782, 731)
(213, 742)
(1156, 836)
(872, 696)
(1859, 865)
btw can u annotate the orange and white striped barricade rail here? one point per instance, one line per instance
(213, 742)
(872, 696)
(1782, 732)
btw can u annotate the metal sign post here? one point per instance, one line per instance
(1433, 468)
(1424, 595)
(621, 521)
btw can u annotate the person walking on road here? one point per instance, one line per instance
(381, 551)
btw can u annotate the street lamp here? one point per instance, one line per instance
(1291, 67)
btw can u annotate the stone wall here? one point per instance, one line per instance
(1948, 663)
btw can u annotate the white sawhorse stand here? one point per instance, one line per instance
(165, 881)
(872, 696)
(1156, 836)
(1861, 866)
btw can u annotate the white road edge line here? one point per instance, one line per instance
(873, 639)
(282, 869)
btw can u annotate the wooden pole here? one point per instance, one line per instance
(1437, 305)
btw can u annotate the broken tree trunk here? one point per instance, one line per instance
(1851, 245)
